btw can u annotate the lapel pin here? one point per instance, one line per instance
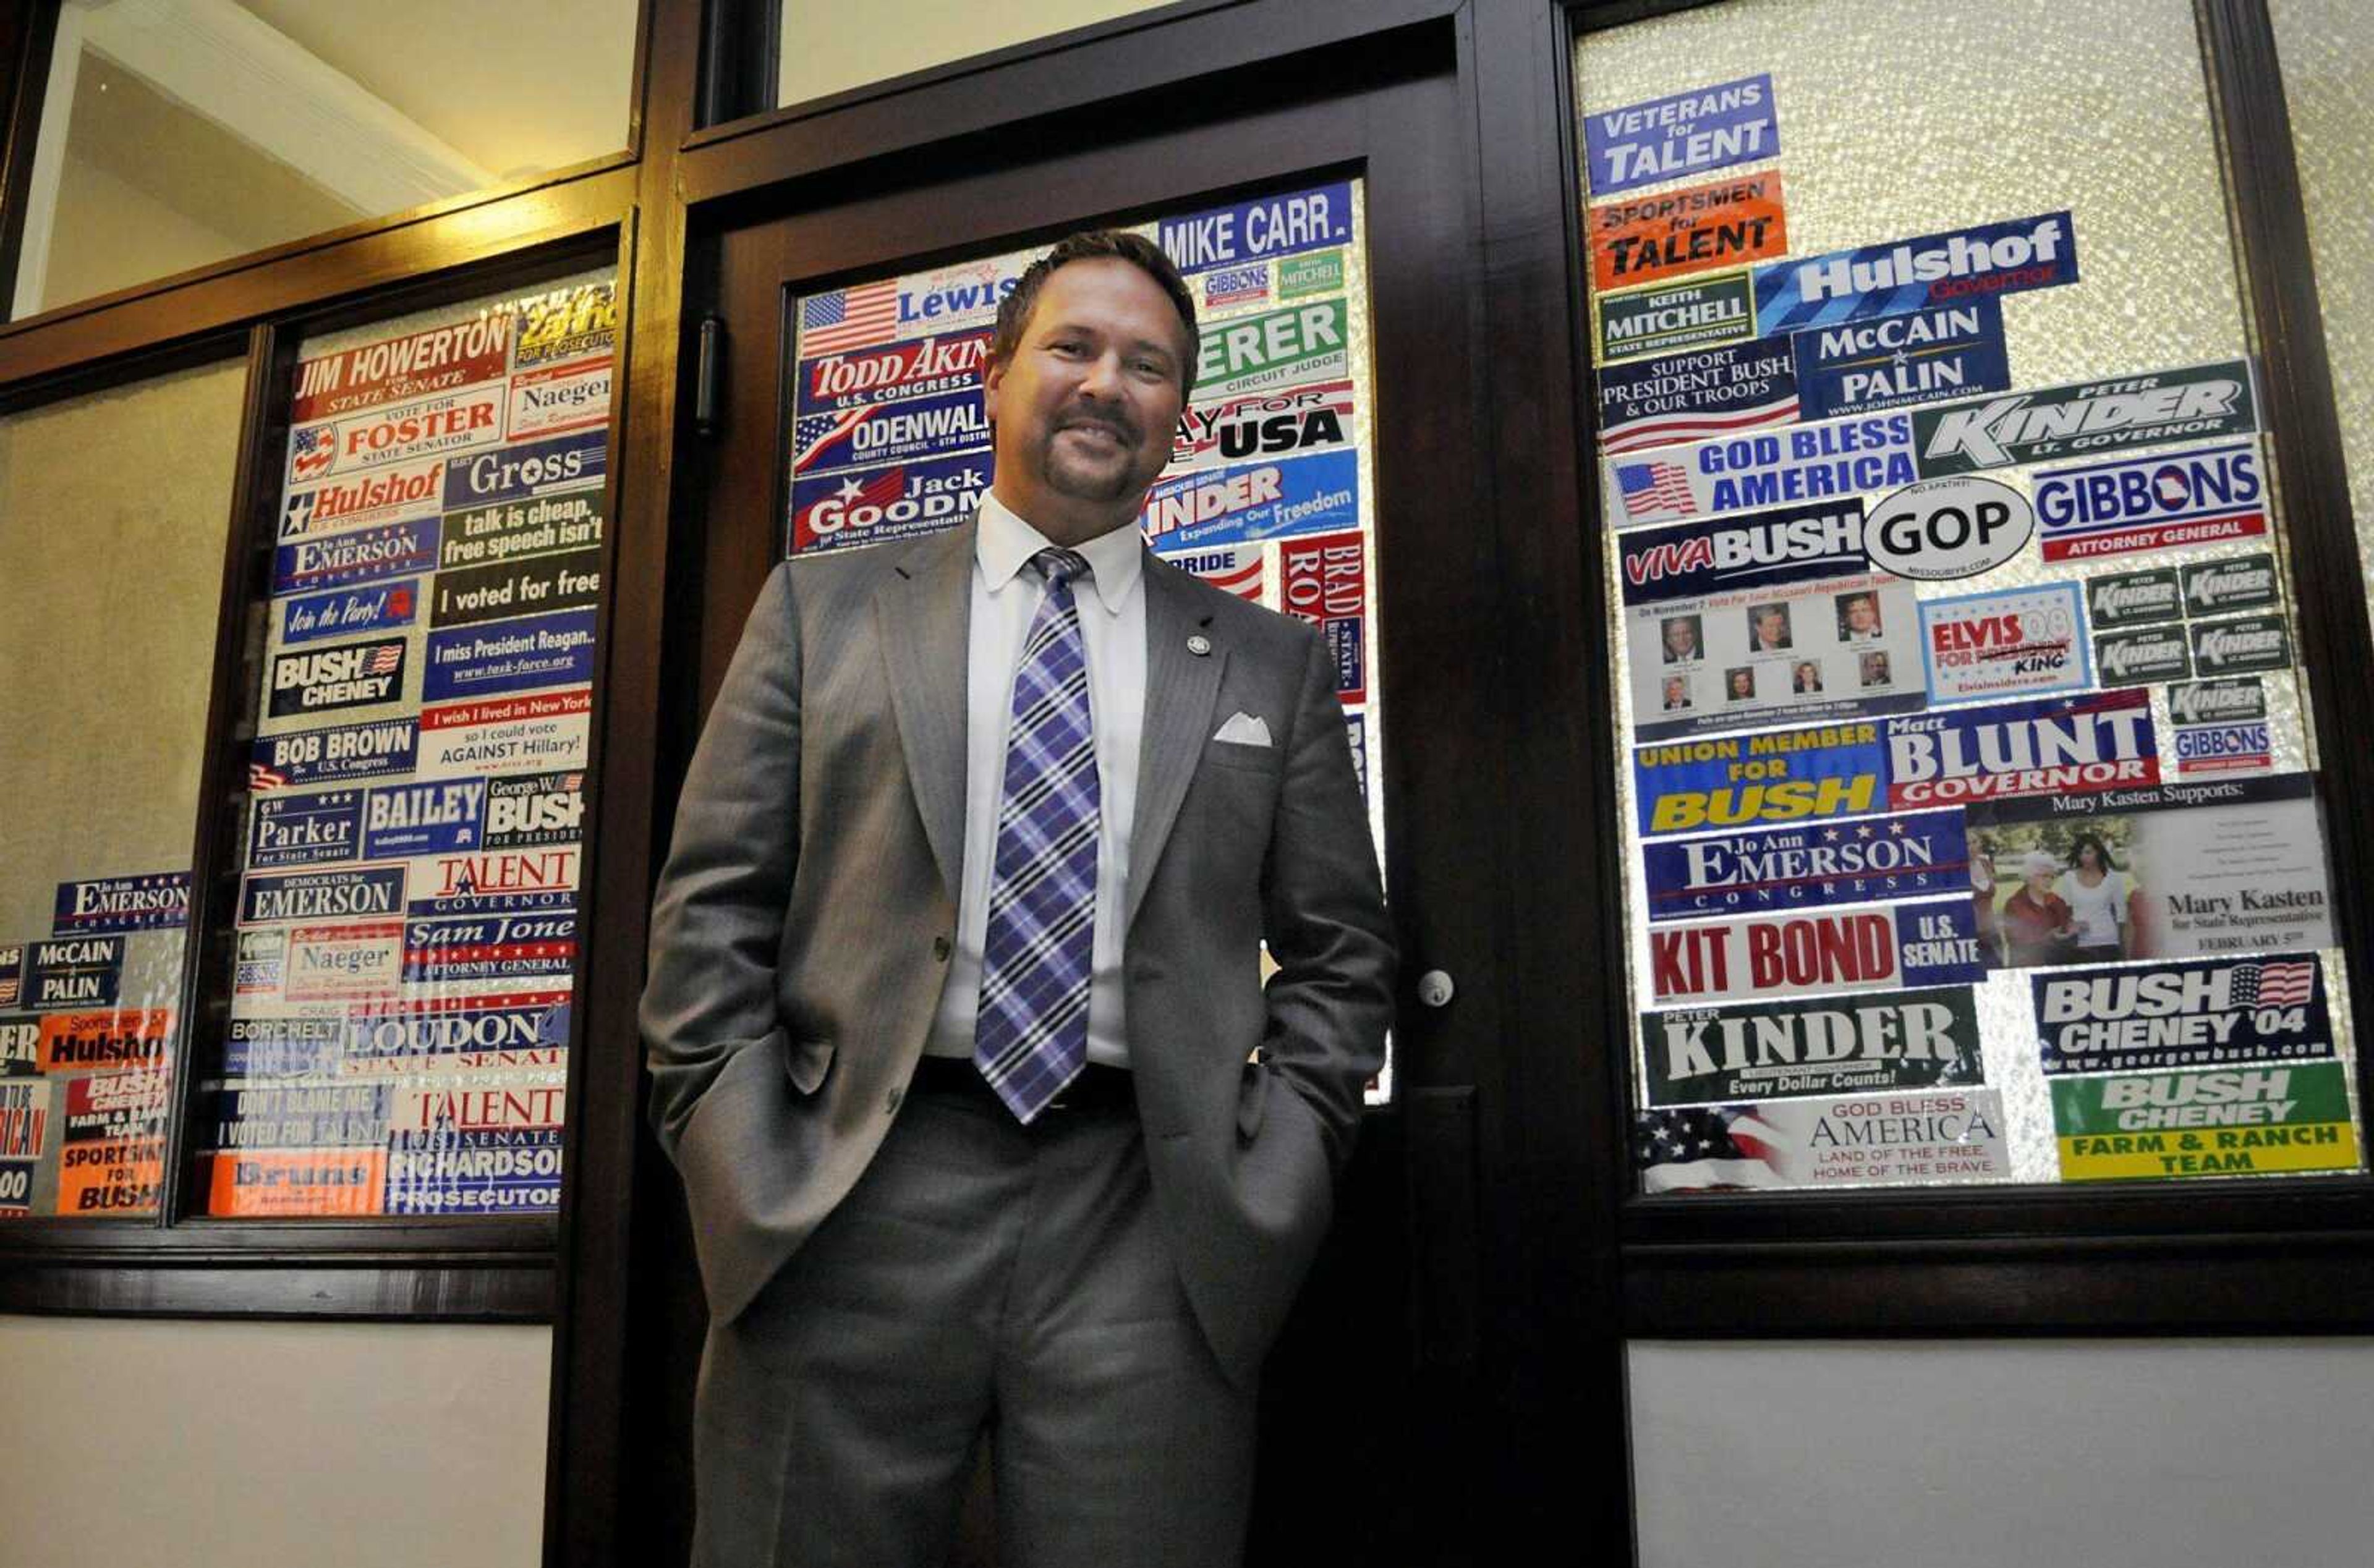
(1199, 645)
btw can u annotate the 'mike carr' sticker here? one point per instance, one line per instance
(1260, 228)
(1916, 1039)
(2205, 495)
(2189, 1014)
(2085, 417)
(1652, 238)
(1692, 397)
(1762, 871)
(1917, 944)
(1856, 367)
(1684, 133)
(1936, 269)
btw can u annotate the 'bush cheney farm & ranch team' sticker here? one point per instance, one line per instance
(2226, 1121)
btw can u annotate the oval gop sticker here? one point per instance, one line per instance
(1942, 529)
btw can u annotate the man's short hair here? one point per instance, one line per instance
(1014, 311)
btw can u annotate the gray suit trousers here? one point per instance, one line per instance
(981, 1278)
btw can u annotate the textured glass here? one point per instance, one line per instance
(1924, 118)
(416, 792)
(113, 516)
(830, 48)
(179, 133)
(2328, 62)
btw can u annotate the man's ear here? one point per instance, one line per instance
(993, 376)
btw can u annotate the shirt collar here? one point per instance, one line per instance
(1005, 541)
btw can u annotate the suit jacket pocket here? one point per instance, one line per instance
(1252, 1101)
(805, 1062)
(1238, 754)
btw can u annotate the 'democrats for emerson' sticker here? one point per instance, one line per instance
(1943, 529)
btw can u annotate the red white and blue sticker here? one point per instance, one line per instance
(1260, 228)
(1809, 462)
(1914, 944)
(873, 433)
(367, 554)
(341, 754)
(350, 612)
(1989, 260)
(489, 1171)
(899, 372)
(1684, 133)
(474, 947)
(2172, 500)
(2013, 642)
(517, 473)
(434, 816)
(2190, 1014)
(1326, 583)
(157, 901)
(1772, 870)
(1707, 392)
(832, 512)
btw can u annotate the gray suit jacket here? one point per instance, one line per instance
(800, 928)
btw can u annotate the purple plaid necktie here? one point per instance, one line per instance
(1032, 1036)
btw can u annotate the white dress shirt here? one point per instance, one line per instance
(1006, 595)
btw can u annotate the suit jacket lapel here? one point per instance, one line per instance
(922, 612)
(1180, 688)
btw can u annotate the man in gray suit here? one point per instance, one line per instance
(956, 1026)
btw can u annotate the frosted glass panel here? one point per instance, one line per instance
(829, 48)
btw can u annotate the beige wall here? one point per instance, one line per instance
(2073, 1454)
(240, 1444)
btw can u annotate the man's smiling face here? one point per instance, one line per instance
(1087, 405)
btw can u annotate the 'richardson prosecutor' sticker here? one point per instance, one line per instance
(1827, 1046)
(2224, 1122)
(1950, 351)
(2090, 417)
(1920, 944)
(1685, 133)
(2203, 497)
(1666, 317)
(2192, 1014)
(1908, 275)
(1920, 855)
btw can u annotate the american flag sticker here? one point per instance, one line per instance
(1652, 490)
(841, 318)
(311, 449)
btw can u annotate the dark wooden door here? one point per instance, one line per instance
(1375, 1441)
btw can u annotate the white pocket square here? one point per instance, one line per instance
(1244, 730)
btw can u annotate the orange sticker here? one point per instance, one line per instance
(111, 1176)
(296, 1181)
(134, 1038)
(1647, 239)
